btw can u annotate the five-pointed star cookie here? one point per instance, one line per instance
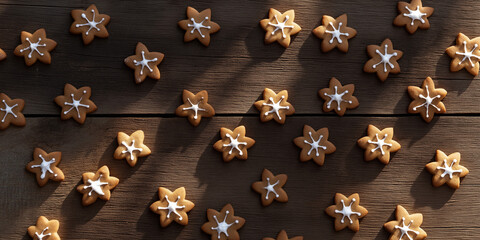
(280, 27)
(447, 169)
(90, 23)
(97, 185)
(314, 145)
(35, 47)
(465, 54)
(383, 59)
(427, 100)
(11, 112)
(335, 33)
(195, 106)
(274, 106)
(413, 15)
(198, 26)
(44, 165)
(347, 212)
(271, 188)
(282, 235)
(44, 229)
(75, 103)
(172, 206)
(338, 98)
(233, 144)
(406, 226)
(378, 144)
(3, 55)
(131, 147)
(145, 63)
(223, 225)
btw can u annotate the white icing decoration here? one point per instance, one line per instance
(92, 23)
(428, 102)
(144, 63)
(337, 98)
(96, 186)
(45, 166)
(131, 148)
(270, 188)
(7, 110)
(275, 107)
(415, 14)
(195, 108)
(281, 25)
(314, 144)
(347, 211)
(385, 59)
(34, 47)
(172, 207)
(468, 55)
(41, 235)
(336, 34)
(405, 229)
(380, 143)
(222, 227)
(234, 143)
(448, 169)
(198, 26)
(75, 104)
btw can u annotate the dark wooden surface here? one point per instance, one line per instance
(234, 70)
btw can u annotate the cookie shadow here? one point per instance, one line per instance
(258, 49)
(383, 234)
(417, 125)
(425, 194)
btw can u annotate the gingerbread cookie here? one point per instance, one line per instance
(465, 54)
(44, 165)
(280, 27)
(131, 147)
(335, 33)
(271, 188)
(234, 144)
(447, 169)
(427, 100)
(413, 15)
(3, 55)
(347, 208)
(228, 228)
(97, 185)
(274, 106)
(75, 103)
(314, 145)
(282, 235)
(198, 26)
(44, 229)
(406, 226)
(35, 47)
(383, 59)
(145, 63)
(172, 206)
(90, 23)
(195, 106)
(378, 144)
(338, 97)
(11, 112)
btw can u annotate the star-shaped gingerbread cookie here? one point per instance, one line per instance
(195, 106)
(447, 169)
(75, 103)
(280, 27)
(427, 100)
(282, 235)
(274, 106)
(90, 23)
(413, 15)
(234, 144)
(131, 147)
(198, 26)
(35, 47)
(223, 225)
(314, 145)
(97, 185)
(347, 212)
(406, 226)
(378, 144)
(145, 63)
(335, 33)
(3, 55)
(11, 112)
(172, 206)
(44, 165)
(466, 54)
(44, 229)
(338, 98)
(383, 59)
(271, 188)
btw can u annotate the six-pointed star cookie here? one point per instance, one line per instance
(378, 144)
(447, 169)
(198, 25)
(271, 188)
(280, 27)
(35, 47)
(195, 106)
(282, 235)
(347, 212)
(406, 226)
(427, 100)
(131, 147)
(97, 185)
(383, 59)
(172, 206)
(3, 55)
(338, 98)
(11, 112)
(44, 165)
(466, 54)
(75, 103)
(413, 16)
(314, 145)
(44, 229)
(335, 33)
(90, 23)
(233, 144)
(145, 63)
(274, 106)
(223, 225)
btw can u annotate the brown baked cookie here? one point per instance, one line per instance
(282, 235)
(378, 144)
(338, 98)
(427, 100)
(447, 169)
(465, 54)
(198, 25)
(314, 145)
(172, 206)
(44, 229)
(280, 27)
(413, 16)
(223, 225)
(145, 63)
(383, 59)
(131, 147)
(3, 55)
(234, 144)
(406, 226)
(75, 103)
(271, 184)
(44, 165)
(335, 33)
(347, 208)
(195, 106)
(35, 47)
(274, 106)
(90, 23)
(97, 185)
(11, 112)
